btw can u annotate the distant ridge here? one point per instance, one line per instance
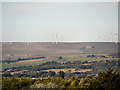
(42, 48)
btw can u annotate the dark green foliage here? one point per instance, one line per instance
(104, 80)
(61, 74)
(21, 59)
(51, 73)
(16, 83)
(60, 57)
(91, 56)
(119, 63)
(108, 79)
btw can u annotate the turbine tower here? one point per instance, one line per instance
(111, 37)
(56, 37)
(62, 38)
(52, 39)
(10, 39)
(116, 38)
(28, 39)
(98, 37)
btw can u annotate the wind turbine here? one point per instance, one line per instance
(52, 39)
(10, 39)
(111, 37)
(28, 39)
(56, 37)
(116, 38)
(98, 37)
(62, 38)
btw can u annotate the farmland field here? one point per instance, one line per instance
(40, 61)
(69, 52)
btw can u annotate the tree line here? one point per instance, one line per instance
(21, 59)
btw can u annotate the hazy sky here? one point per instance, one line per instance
(75, 21)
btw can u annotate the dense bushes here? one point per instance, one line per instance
(107, 80)
(16, 83)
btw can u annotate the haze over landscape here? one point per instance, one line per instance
(71, 21)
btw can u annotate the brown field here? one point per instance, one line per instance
(34, 49)
(86, 64)
(67, 70)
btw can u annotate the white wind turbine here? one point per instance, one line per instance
(56, 38)
(28, 39)
(111, 37)
(116, 38)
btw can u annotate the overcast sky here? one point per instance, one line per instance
(71, 21)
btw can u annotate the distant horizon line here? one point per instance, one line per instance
(54, 42)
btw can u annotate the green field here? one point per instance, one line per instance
(64, 59)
